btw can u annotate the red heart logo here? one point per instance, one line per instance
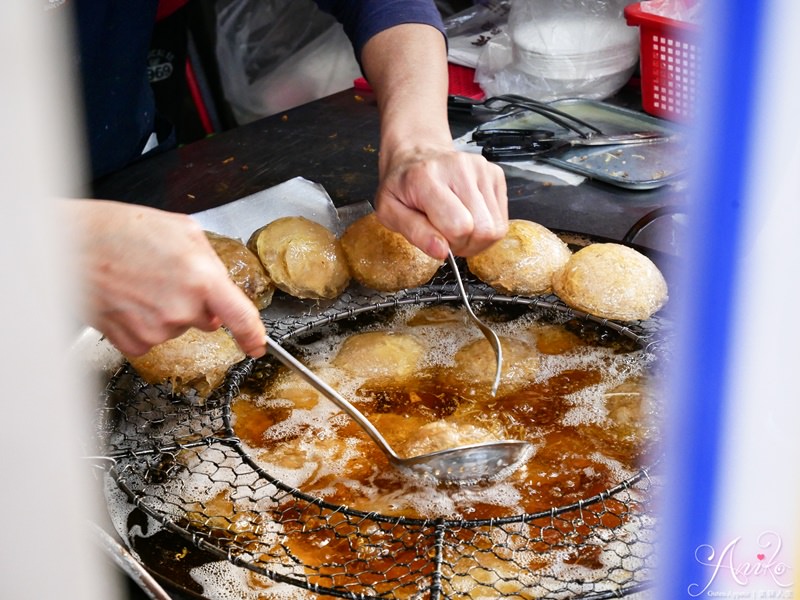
(760, 556)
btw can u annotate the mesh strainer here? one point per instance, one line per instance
(166, 449)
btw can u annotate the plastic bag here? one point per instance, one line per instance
(555, 49)
(470, 30)
(687, 11)
(277, 54)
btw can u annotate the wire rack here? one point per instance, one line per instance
(164, 448)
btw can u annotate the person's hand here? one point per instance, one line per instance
(436, 197)
(439, 198)
(149, 275)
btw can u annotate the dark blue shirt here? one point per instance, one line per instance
(363, 19)
(113, 42)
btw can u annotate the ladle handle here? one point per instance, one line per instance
(130, 565)
(487, 331)
(295, 365)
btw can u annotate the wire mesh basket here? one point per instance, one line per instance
(165, 451)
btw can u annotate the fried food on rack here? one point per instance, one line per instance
(523, 262)
(612, 281)
(302, 257)
(244, 268)
(384, 260)
(197, 360)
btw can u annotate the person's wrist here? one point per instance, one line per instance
(413, 148)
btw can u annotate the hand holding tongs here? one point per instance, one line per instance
(522, 144)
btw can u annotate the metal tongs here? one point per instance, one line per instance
(511, 103)
(522, 144)
(506, 144)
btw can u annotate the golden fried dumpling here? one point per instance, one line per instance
(523, 261)
(475, 366)
(611, 281)
(380, 355)
(197, 360)
(384, 260)
(302, 257)
(554, 339)
(244, 268)
(293, 387)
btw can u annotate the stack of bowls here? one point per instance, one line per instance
(575, 55)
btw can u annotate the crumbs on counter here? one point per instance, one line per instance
(284, 117)
(358, 98)
(368, 148)
(228, 160)
(245, 167)
(191, 196)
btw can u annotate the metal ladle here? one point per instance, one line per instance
(463, 464)
(487, 331)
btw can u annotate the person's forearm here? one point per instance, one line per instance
(438, 198)
(407, 67)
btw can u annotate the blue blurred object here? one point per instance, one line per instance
(719, 457)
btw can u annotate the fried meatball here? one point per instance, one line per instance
(523, 262)
(197, 360)
(384, 260)
(475, 366)
(611, 281)
(380, 355)
(302, 257)
(244, 268)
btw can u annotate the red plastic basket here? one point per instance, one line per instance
(669, 64)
